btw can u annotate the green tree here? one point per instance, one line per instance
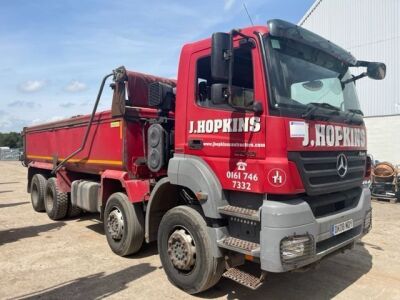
(11, 139)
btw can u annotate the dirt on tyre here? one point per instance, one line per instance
(123, 225)
(38, 189)
(56, 202)
(184, 247)
(73, 211)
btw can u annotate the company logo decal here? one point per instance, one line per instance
(251, 124)
(276, 177)
(341, 165)
(328, 135)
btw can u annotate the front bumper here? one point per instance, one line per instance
(282, 219)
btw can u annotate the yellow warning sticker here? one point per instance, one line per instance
(114, 124)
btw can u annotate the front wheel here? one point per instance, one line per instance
(123, 225)
(184, 247)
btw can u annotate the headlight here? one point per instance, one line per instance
(368, 221)
(295, 248)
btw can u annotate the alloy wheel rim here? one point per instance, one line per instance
(182, 250)
(115, 224)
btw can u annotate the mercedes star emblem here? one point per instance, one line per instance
(341, 165)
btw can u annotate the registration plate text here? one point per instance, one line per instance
(342, 227)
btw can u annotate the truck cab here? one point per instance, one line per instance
(269, 117)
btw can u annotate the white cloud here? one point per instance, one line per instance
(39, 121)
(55, 118)
(76, 86)
(228, 4)
(35, 122)
(31, 86)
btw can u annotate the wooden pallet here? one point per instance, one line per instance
(385, 199)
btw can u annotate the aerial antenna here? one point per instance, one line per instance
(247, 12)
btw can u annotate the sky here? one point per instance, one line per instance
(53, 54)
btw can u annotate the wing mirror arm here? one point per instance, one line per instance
(258, 107)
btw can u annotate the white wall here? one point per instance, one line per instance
(383, 138)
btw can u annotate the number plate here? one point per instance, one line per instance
(342, 227)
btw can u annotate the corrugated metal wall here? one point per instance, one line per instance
(370, 30)
(383, 138)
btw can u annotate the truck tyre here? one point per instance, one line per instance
(123, 225)
(184, 247)
(38, 188)
(56, 202)
(73, 211)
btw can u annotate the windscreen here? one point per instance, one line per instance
(301, 76)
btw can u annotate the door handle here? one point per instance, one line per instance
(195, 144)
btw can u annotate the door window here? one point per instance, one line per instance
(242, 82)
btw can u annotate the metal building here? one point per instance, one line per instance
(370, 30)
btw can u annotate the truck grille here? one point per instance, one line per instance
(319, 174)
(334, 202)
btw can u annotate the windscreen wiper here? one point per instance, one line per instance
(312, 107)
(351, 113)
(355, 111)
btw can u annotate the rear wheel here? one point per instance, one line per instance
(73, 211)
(56, 202)
(123, 225)
(38, 188)
(184, 247)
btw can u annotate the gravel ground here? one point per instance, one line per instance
(42, 259)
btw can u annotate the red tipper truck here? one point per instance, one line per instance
(257, 152)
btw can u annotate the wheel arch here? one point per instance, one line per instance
(163, 197)
(108, 187)
(113, 181)
(194, 173)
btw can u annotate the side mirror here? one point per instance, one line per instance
(220, 56)
(219, 93)
(243, 98)
(376, 70)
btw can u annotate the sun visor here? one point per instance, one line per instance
(283, 29)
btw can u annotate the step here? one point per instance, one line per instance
(240, 212)
(241, 246)
(244, 278)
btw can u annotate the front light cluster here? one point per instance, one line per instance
(295, 248)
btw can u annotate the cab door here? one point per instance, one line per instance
(230, 139)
